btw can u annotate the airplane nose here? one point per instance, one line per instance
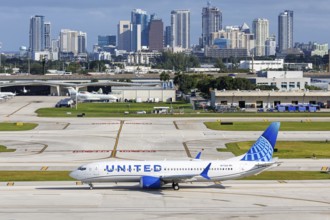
(73, 174)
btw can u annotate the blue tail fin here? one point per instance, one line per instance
(263, 148)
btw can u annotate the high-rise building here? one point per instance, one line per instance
(211, 22)
(69, 41)
(285, 30)
(245, 28)
(55, 45)
(260, 29)
(82, 42)
(37, 33)
(167, 36)
(180, 28)
(106, 40)
(124, 35)
(156, 34)
(139, 29)
(320, 49)
(232, 37)
(271, 46)
(47, 33)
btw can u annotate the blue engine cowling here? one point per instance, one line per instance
(150, 182)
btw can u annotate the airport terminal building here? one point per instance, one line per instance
(268, 99)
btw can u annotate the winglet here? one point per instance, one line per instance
(205, 172)
(198, 156)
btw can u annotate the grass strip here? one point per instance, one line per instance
(180, 109)
(4, 149)
(261, 126)
(18, 126)
(8, 176)
(285, 149)
(290, 175)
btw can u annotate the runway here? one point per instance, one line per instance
(232, 200)
(66, 143)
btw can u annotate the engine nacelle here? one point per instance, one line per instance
(150, 182)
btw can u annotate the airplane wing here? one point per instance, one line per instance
(178, 178)
(92, 98)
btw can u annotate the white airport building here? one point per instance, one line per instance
(268, 99)
(258, 65)
(144, 94)
(283, 80)
(277, 64)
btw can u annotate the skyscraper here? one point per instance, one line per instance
(167, 36)
(271, 46)
(82, 42)
(180, 28)
(106, 40)
(285, 30)
(37, 33)
(233, 37)
(260, 29)
(47, 32)
(139, 29)
(211, 22)
(69, 41)
(156, 33)
(124, 35)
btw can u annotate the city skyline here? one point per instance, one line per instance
(102, 18)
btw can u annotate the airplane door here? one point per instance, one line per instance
(243, 167)
(95, 170)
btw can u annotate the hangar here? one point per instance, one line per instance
(144, 90)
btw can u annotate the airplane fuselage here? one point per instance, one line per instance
(132, 171)
(93, 97)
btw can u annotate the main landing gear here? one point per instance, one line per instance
(90, 186)
(175, 186)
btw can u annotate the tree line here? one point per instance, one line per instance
(176, 61)
(205, 83)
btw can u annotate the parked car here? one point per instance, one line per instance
(64, 103)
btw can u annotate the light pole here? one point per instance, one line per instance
(0, 53)
(77, 98)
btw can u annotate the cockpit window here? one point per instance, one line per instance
(82, 168)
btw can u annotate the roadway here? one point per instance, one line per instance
(65, 143)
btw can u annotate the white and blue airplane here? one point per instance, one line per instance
(155, 174)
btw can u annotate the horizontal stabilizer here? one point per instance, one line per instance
(198, 156)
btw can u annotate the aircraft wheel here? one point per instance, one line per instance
(90, 186)
(176, 186)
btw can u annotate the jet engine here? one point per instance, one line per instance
(150, 182)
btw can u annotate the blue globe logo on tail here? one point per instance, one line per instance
(263, 148)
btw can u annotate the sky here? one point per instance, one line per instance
(100, 17)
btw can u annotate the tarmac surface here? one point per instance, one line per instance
(66, 143)
(232, 200)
